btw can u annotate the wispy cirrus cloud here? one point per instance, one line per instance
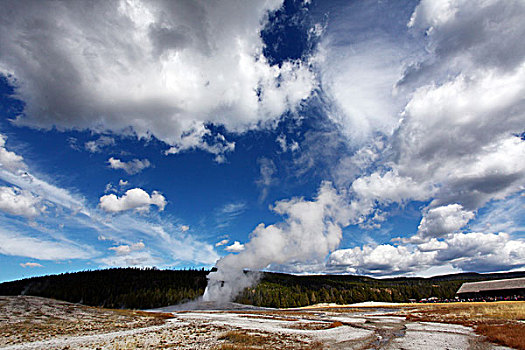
(226, 214)
(96, 146)
(222, 242)
(55, 212)
(30, 264)
(22, 244)
(266, 178)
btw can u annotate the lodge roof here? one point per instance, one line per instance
(476, 287)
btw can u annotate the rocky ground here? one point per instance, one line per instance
(39, 323)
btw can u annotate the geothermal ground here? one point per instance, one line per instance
(39, 323)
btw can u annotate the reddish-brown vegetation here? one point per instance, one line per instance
(500, 322)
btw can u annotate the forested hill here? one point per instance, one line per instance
(150, 288)
(283, 290)
(129, 288)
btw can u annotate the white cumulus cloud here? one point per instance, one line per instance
(454, 143)
(383, 259)
(19, 202)
(432, 245)
(473, 251)
(222, 242)
(133, 199)
(236, 247)
(132, 167)
(180, 66)
(440, 221)
(10, 160)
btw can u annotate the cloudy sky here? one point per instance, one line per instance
(381, 137)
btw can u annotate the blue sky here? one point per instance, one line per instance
(382, 137)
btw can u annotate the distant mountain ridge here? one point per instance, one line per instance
(149, 288)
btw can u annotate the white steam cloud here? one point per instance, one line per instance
(310, 231)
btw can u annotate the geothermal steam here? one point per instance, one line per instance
(310, 231)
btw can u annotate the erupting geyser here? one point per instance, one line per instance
(310, 231)
(222, 289)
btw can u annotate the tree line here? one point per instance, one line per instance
(283, 291)
(135, 288)
(121, 288)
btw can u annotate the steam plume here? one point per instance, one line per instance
(311, 230)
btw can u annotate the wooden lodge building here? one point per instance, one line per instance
(493, 289)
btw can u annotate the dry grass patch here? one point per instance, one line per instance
(245, 340)
(139, 313)
(500, 322)
(335, 324)
(504, 334)
(471, 313)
